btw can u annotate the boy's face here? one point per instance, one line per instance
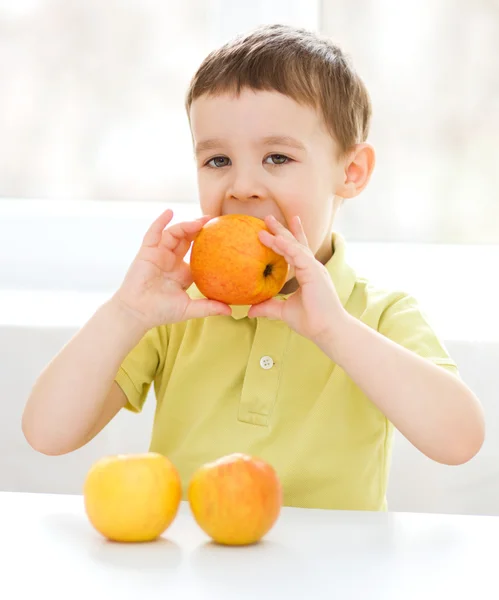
(262, 153)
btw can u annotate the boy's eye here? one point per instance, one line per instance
(223, 161)
(219, 161)
(277, 159)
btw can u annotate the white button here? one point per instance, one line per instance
(266, 362)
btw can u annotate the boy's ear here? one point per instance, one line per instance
(358, 166)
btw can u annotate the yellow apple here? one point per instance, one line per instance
(132, 497)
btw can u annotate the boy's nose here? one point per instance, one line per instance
(245, 186)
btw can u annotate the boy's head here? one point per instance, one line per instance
(279, 121)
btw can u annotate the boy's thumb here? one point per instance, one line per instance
(271, 309)
(198, 309)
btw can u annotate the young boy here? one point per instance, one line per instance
(312, 381)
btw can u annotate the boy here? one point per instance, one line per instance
(314, 380)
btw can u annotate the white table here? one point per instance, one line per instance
(48, 549)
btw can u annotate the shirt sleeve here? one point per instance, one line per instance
(141, 367)
(405, 323)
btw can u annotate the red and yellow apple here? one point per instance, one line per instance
(236, 499)
(230, 264)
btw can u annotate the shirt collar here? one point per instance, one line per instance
(342, 275)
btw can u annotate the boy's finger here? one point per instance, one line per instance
(300, 258)
(182, 248)
(198, 309)
(298, 231)
(153, 234)
(271, 309)
(276, 228)
(271, 241)
(173, 236)
(295, 253)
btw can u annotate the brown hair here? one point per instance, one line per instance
(298, 63)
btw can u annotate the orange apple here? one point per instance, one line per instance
(132, 497)
(230, 264)
(236, 499)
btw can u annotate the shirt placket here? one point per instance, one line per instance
(263, 372)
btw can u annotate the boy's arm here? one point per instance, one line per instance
(433, 408)
(429, 405)
(75, 395)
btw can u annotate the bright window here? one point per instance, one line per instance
(92, 103)
(432, 69)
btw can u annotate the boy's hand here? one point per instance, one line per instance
(314, 310)
(154, 287)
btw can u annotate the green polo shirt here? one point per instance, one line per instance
(234, 384)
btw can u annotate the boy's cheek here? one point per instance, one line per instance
(210, 205)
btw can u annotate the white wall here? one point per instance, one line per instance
(55, 270)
